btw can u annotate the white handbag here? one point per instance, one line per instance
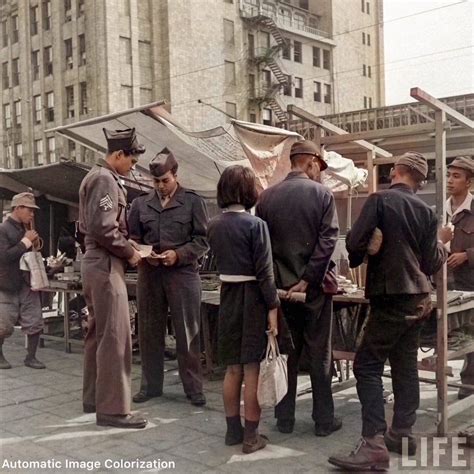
(273, 377)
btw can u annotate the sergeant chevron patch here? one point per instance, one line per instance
(106, 203)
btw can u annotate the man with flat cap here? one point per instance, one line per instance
(18, 303)
(460, 216)
(174, 221)
(399, 291)
(302, 220)
(108, 345)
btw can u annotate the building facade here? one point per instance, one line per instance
(67, 60)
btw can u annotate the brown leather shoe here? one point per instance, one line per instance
(395, 444)
(197, 399)
(87, 408)
(328, 428)
(250, 446)
(371, 454)
(143, 396)
(121, 421)
(34, 363)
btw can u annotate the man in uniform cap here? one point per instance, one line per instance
(398, 287)
(174, 221)
(302, 220)
(460, 216)
(18, 303)
(108, 345)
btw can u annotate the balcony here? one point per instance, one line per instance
(285, 17)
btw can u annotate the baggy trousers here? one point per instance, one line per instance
(388, 335)
(177, 290)
(108, 344)
(311, 328)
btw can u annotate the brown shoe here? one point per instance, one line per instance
(34, 363)
(121, 421)
(143, 396)
(395, 444)
(250, 446)
(371, 454)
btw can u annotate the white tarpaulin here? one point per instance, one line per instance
(342, 174)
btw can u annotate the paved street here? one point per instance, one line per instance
(42, 420)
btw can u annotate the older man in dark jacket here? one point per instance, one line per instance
(399, 292)
(18, 303)
(302, 220)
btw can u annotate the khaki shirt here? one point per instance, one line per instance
(102, 211)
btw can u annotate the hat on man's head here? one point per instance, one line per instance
(163, 162)
(464, 163)
(415, 161)
(25, 200)
(308, 148)
(125, 140)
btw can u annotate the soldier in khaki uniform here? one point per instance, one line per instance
(108, 347)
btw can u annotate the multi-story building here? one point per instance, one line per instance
(67, 60)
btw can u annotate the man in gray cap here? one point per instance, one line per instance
(302, 221)
(174, 221)
(398, 287)
(108, 345)
(460, 215)
(18, 303)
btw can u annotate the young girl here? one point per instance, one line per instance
(249, 301)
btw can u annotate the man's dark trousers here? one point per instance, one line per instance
(388, 335)
(311, 327)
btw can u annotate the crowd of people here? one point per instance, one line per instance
(287, 243)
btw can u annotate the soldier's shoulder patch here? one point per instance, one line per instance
(106, 203)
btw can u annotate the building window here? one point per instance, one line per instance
(7, 116)
(15, 32)
(369, 71)
(327, 93)
(267, 78)
(34, 20)
(38, 151)
(326, 59)
(35, 65)
(125, 7)
(37, 108)
(287, 86)
(286, 51)
(82, 50)
(17, 105)
(51, 149)
(4, 33)
(229, 70)
(67, 10)
(127, 96)
(83, 88)
(71, 146)
(297, 52)
(370, 102)
(251, 46)
(253, 117)
(364, 70)
(367, 8)
(304, 4)
(365, 102)
(267, 116)
(363, 38)
(229, 32)
(15, 72)
(316, 56)
(317, 92)
(299, 87)
(68, 53)
(265, 39)
(126, 50)
(50, 106)
(48, 61)
(229, 1)
(19, 155)
(80, 8)
(362, 5)
(230, 110)
(368, 39)
(251, 86)
(46, 14)
(70, 102)
(5, 78)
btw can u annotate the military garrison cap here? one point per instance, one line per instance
(308, 148)
(125, 140)
(163, 162)
(415, 161)
(464, 163)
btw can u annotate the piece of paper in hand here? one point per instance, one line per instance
(145, 250)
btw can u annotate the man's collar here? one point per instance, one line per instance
(15, 222)
(297, 174)
(466, 205)
(104, 164)
(405, 187)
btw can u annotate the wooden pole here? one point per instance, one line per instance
(441, 279)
